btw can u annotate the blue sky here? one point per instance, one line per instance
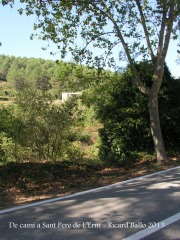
(15, 31)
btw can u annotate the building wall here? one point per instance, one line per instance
(66, 95)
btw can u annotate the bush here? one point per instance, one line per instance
(123, 111)
(36, 129)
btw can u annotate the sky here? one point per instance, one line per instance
(15, 31)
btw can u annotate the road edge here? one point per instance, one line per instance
(83, 192)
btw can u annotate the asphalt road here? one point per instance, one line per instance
(143, 208)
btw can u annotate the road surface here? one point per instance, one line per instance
(146, 208)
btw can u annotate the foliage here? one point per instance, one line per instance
(55, 77)
(5, 63)
(9, 126)
(36, 129)
(141, 28)
(104, 25)
(47, 126)
(39, 129)
(35, 125)
(123, 111)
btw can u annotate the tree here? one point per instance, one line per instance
(123, 112)
(16, 73)
(71, 77)
(5, 63)
(141, 27)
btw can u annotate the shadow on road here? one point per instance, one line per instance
(95, 214)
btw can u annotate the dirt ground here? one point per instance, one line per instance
(28, 182)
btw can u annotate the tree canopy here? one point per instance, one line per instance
(45, 74)
(143, 27)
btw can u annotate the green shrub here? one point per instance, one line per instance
(123, 111)
(36, 129)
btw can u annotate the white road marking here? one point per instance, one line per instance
(147, 231)
(82, 193)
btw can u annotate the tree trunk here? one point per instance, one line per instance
(156, 128)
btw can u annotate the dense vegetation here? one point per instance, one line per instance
(111, 26)
(44, 75)
(35, 126)
(123, 111)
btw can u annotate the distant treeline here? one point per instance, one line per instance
(56, 76)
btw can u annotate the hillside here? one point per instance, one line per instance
(55, 77)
